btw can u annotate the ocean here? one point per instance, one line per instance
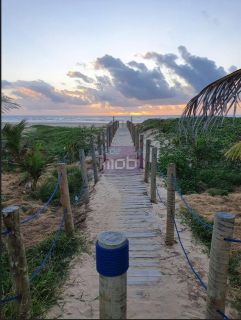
(82, 119)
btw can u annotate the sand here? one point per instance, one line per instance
(176, 295)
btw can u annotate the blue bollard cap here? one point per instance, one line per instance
(112, 254)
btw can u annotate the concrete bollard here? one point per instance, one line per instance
(18, 262)
(153, 174)
(171, 175)
(65, 200)
(112, 262)
(84, 176)
(147, 160)
(218, 264)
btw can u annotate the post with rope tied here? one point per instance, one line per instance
(18, 262)
(84, 176)
(112, 262)
(147, 160)
(153, 174)
(218, 264)
(65, 199)
(171, 176)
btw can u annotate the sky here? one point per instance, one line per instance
(110, 57)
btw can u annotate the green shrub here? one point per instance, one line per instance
(44, 190)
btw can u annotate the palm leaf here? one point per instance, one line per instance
(215, 101)
(234, 153)
(8, 103)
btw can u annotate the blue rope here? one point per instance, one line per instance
(189, 262)
(39, 210)
(190, 210)
(53, 244)
(222, 314)
(232, 240)
(8, 299)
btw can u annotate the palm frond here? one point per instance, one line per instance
(234, 153)
(215, 101)
(8, 103)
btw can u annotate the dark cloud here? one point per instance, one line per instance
(140, 83)
(77, 74)
(6, 84)
(232, 69)
(197, 71)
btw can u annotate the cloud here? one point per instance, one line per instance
(124, 86)
(196, 71)
(40, 89)
(139, 82)
(77, 74)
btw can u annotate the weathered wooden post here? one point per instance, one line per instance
(94, 163)
(103, 145)
(153, 174)
(99, 151)
(218, 265)
(147, 160)
(141, 150)
(65, 199)
(18, 262)
(137, 141)
(112, 262)
(171, 176)
(84, 176)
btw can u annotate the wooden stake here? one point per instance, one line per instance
(171, 175)
(94, 163)
(103, 144)
(153, 174)
(147, 160)
(218, 264)
(84, 176)
(141, 150)
(18, 262)
(65, 199)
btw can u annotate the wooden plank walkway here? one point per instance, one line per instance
(136, 216)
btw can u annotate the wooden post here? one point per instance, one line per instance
(84, 176)
(112, 288)
(153, 174)
(218, 264)
(18, 262)
(94, 164)
(65, 199)
(147, 160)
(99, 144)
(137, 140)
(103, 145)
(141, 150)
(171, 175)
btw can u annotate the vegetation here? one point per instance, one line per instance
(201, 163)
(44, 287)
(44, 189)
(13, 135)
(56, 141)
(34, 163)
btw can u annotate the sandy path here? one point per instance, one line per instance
(169, 292)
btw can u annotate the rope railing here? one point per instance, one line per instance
(43, 262)
(198, 277)
(39, 210)
(53, 244)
